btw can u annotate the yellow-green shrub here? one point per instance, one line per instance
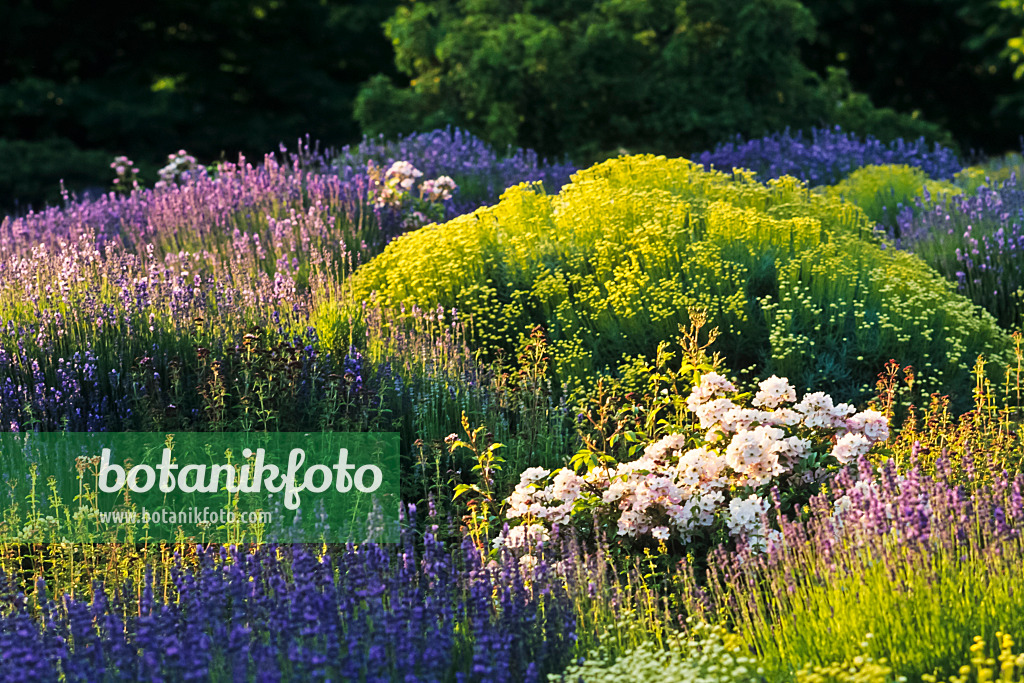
(706, 653)
(798, 283)
(992, 173)
(862, 668)
(1006, 668)
(880, 190)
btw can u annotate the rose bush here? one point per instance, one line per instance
(712, 482)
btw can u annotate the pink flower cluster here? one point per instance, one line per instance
(552, 503)
(398, 183)
(125, 173)
(395, 185)
(180, 167)
(684, 483)
(440, 188)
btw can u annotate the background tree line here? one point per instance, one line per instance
(81, 82)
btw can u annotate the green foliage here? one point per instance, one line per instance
(937, 59)
(855, 111)
(934, 435)
(480, 499)
(883, 190)
(216, 78)
(590, 77)
(32, 171)
(998, 42)
(647, 400)
(706, 653)
(798, 284)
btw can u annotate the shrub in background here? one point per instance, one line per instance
(588, 78)
(798, 284)
(941, 58)
(216, 78)
(856, 111)
(883, 191)
(31, 172)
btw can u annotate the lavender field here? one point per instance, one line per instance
(751, 416)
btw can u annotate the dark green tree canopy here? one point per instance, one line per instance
(587, 77)
(942, 57)
(213, 76)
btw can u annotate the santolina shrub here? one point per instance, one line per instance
(886, 190)
(799, 285)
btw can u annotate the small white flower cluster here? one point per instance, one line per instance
(552, 504)
(398, 182)
(674, 490)
(180, 166)
(707, 653)
(440, 188)
(814, 414)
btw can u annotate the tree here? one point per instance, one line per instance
(940, 57)
(588, 77)
(216, 77)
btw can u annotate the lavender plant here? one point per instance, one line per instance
(920, 562)
(137, 310)
(975, 240)
(826, 156)
(481, 172)
(356, 613)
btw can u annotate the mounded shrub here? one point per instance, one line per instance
(883, 190)
(798, 283)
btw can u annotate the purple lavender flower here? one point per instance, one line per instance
(383, 614)
(827, 157)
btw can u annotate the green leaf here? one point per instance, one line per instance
(463, 488)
